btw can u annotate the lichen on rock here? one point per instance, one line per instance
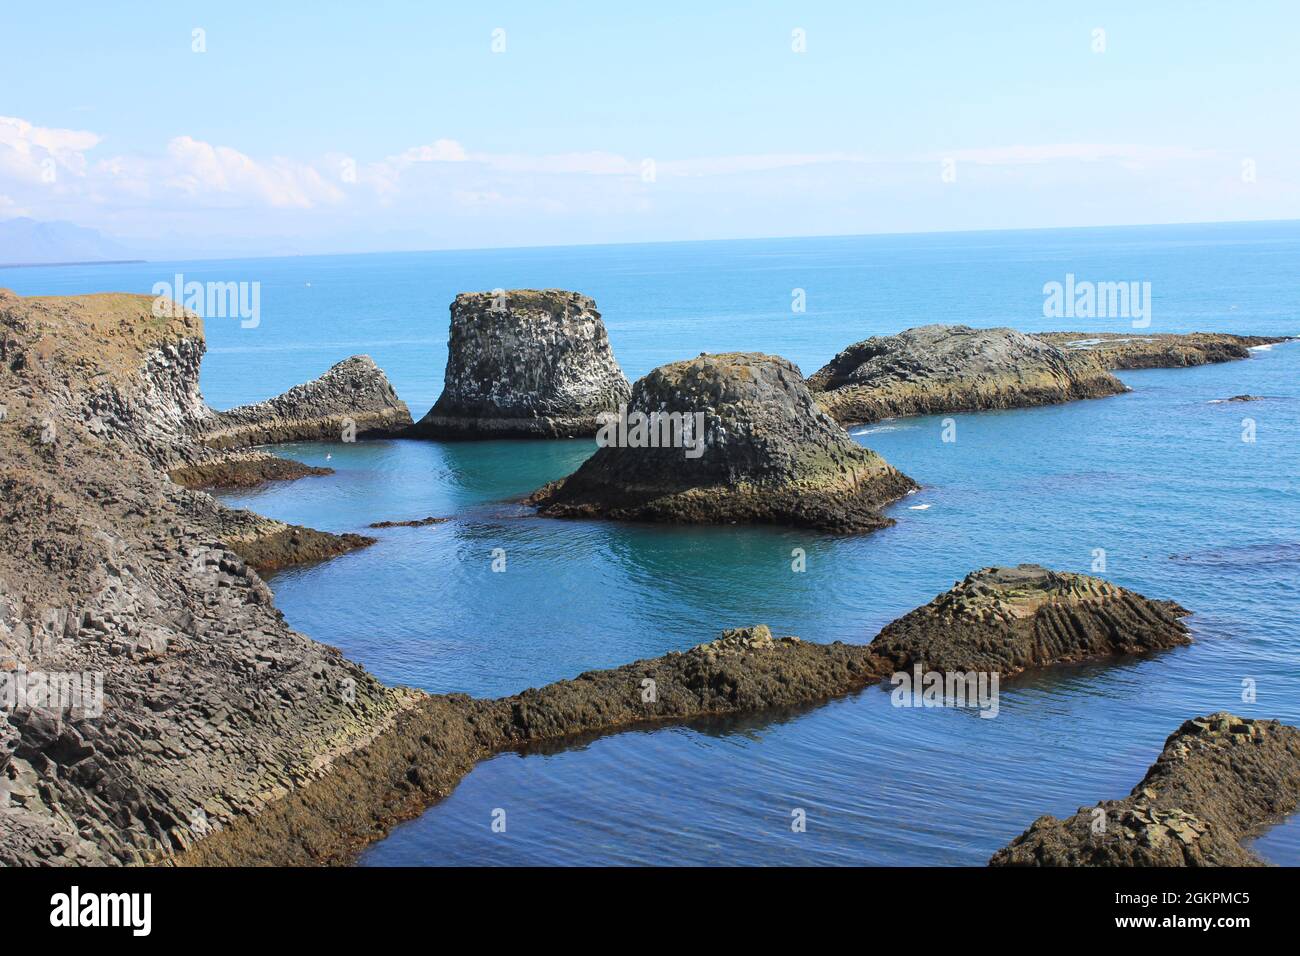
(1005, 620)
(525, 363)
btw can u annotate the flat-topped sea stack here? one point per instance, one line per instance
(352, 400)
(1121, 350)
(525, 363)
(755, 448)
(1005, 620)
(1220, 779)
(935, 369)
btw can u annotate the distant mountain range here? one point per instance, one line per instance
(26, 241)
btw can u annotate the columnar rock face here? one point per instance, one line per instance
(352, 400)
(1119, 350)
(525, 364)
(210, 706)
(947, 368)
(1218, 780)
(762, 451)
(1005, 620)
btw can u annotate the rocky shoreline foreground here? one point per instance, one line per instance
(1219, 780)
(223, 736)
(440, 738)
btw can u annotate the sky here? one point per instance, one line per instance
(259, 129)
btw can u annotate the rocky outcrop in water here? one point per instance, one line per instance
(753, 447)
(525, 363)
(935, 369)
(1219, 780)
(1005, 620)
(434, 744)
(352, 400)
(1119, 350)
(210, 707)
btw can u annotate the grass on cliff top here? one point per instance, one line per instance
(107, 331)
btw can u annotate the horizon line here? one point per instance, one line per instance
(643, 242)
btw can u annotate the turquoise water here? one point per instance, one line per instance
(1159, 478)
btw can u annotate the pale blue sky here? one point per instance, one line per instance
(395, 126)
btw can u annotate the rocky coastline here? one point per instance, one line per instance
(1219, 780)
(935, 369)
(525, 363)
(1138, 350)
(225, 737)
(754, 447)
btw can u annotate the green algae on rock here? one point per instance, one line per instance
(770, 455)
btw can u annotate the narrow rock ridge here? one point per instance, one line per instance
(1138, 350)
(1005, 620)
(768, 455)
(242, 470)
(1220, 779)
(352, 400)
(935, 369)
(525, 363)
(436, 742)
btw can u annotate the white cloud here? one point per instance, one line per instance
(1022, 154)
(27, 152)
(201, 170)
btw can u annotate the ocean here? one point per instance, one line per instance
(1157, 483)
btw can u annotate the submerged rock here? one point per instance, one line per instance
(948, 368)
(1004, 620)
(1218, 780)
(525, 363)
(242, 470)
(753, 447)
(352, 400)
(1120, 350)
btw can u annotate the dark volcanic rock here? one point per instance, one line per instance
(414, 523)
(1219, 779)
(433, 744)
(436, 743)
(1007, 619)
(948, 368)
(352, 400)
(525, 364)
(212, 706)
(769, 455)
(242, 470)
(1118, 350)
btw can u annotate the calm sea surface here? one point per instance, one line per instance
(1160, 479)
